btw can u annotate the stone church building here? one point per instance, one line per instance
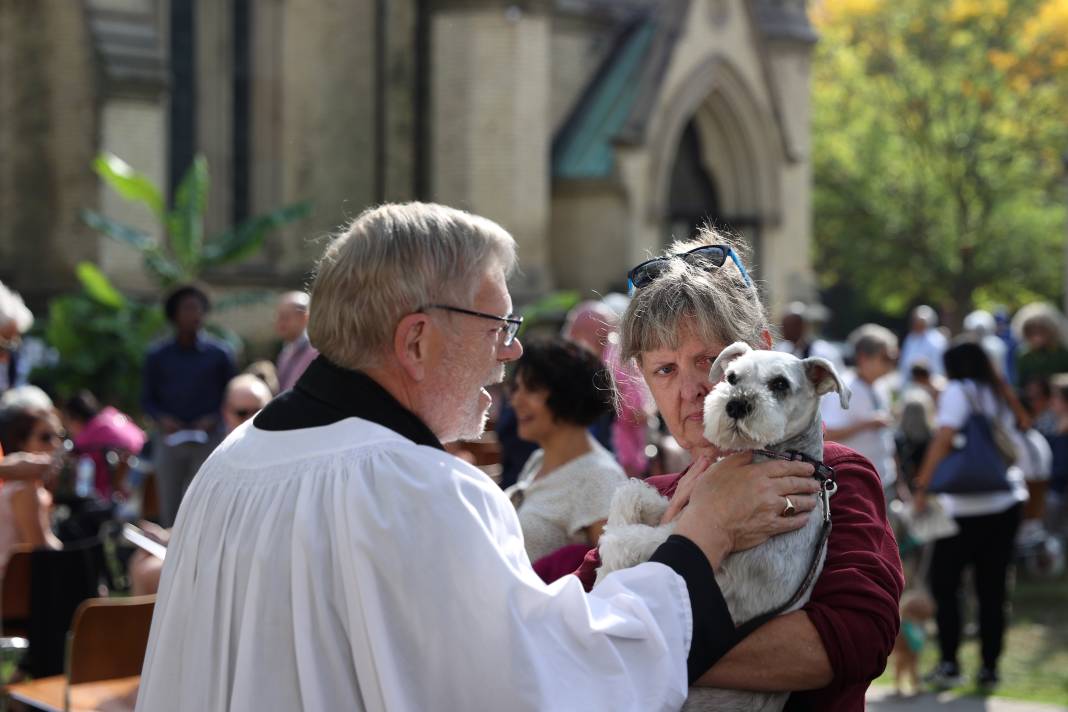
(593, 130)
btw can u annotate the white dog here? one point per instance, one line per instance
(767, 402)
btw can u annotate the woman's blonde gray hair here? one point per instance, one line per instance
(716, 304)
(390, 261)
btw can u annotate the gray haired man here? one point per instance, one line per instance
(331, 555)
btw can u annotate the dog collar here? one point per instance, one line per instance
(822, 472)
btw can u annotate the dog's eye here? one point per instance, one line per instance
(779, 384)
(732, 378)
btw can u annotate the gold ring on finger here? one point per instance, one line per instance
(789, 510)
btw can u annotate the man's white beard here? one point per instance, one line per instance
(463, 420)
(472, 430)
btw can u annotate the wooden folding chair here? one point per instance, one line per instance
(107, 641)
(108, 638)
(15, 593)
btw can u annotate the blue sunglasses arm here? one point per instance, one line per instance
(741, 268)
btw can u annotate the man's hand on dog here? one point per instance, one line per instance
(736, 504)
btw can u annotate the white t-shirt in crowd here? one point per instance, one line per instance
(954, 407)
(867, 401)
(559, 505)
(927, 346)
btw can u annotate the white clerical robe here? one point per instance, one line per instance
(344, 567)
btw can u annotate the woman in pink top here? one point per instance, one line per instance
(96, 430)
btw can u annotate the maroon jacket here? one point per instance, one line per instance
(854, 604)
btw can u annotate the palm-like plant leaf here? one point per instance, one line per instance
(247, 238)
(98, 287)
(234, 300)
(163, 267)
(127, 182)
(185, 224)
(118, 231)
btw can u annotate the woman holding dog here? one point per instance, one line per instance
(687, 307)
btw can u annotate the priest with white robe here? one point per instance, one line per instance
(330, 555)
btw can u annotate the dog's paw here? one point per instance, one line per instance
(636, 503)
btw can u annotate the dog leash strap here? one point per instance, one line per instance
(825, 475)
(753, 623)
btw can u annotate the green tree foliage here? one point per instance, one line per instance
(938, 131)
(101, 337)
(185, 253)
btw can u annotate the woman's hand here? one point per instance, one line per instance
(919, 501)
(155, 531)
(736, 504)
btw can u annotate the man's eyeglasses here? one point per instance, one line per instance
(511, 321)
(707, 256)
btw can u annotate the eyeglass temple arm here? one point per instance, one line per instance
(741, 268)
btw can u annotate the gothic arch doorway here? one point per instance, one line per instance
(694, 197)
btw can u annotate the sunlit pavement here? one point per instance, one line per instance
(883, 699)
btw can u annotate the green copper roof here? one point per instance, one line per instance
(583, 147)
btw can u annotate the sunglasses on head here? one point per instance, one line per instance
(706, 256)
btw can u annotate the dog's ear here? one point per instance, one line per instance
(725, 357)
(821, 373)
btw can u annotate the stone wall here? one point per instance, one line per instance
(48, 133)
(327, 128)
(135, 130)
(491, 141)
(589, 232)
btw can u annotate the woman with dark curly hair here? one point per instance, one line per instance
(564, 489)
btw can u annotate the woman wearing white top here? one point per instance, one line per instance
(987, 521)
(563, 492)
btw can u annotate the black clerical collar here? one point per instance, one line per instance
(327, 393)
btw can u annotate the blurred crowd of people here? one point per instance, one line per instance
(69, 465)
(910, 399)
(572, 422)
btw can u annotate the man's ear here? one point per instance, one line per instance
(766, 340)
(411, 345)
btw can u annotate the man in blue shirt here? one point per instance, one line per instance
(184, 380)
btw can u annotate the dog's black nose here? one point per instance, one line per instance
(738, 409)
